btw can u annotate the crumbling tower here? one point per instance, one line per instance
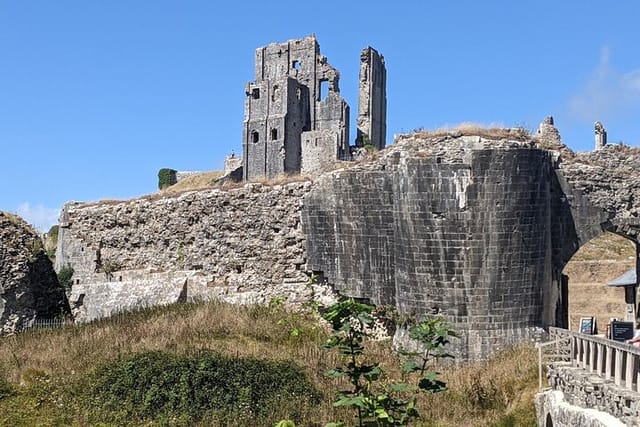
(291, 124)
(372, 101)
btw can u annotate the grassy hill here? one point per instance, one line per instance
(121, 371)
(590, 269)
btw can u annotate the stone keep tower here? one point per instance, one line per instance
(372, 100)
(289, 126)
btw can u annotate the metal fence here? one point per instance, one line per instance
(45, 324)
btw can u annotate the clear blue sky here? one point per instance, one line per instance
(96, 96)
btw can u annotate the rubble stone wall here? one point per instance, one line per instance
(248, 238)
(29, 288)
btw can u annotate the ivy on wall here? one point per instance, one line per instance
(166, 177)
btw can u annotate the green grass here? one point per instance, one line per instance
(171, 366)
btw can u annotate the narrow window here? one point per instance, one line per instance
(324, 89)
(295, 65)
(255, 136)
(255, 93)
(274, 134)
(298, 93)
(274, 93)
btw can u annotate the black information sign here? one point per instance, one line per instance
(621, 331)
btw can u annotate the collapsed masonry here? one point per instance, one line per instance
(295, 119)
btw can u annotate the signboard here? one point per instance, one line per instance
(621, 331)
(587, 325)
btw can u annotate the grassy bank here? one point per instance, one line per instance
(64, 376)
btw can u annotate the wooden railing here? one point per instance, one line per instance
(604, 357)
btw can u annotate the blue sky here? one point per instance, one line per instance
(97, 96)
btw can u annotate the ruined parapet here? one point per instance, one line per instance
(231, 163)
(547, 134)
(601, 135)
(372, 100)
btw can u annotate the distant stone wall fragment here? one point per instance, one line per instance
(29, 288)
(600, 135)
(372, 100)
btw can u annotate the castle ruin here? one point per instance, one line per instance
(372, 100)
(295, 120)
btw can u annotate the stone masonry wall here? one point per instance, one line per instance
(470, 240)
(246, 241)
(475, 228)
(581, 389)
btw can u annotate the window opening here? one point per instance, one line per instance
(274, 93)
(255, 93)
(295, 65)
(274, 134)
(324, 89)
(255, 136)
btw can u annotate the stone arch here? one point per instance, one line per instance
(587, 208)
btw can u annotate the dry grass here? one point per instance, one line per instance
(473, 129)
(269, 182)
(609, 246)
(591, 268)
(195, 182)
(480, 394)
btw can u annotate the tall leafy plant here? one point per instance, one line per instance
(393, 404)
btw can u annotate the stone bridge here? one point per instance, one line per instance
(593, 382)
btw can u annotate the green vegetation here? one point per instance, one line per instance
(51, 242)
(65, 276)
(161, 386)
(71, 376)
(166, 178)
(394, 403)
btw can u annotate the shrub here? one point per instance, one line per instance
(65, 275)
(155, 385)
(166, 178)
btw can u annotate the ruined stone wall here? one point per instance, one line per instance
(609, 178)
(29, 288)
(285, 102)
(473, 228)
(246, 239)
(372, 100)
(318, 151)
(276, 112)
